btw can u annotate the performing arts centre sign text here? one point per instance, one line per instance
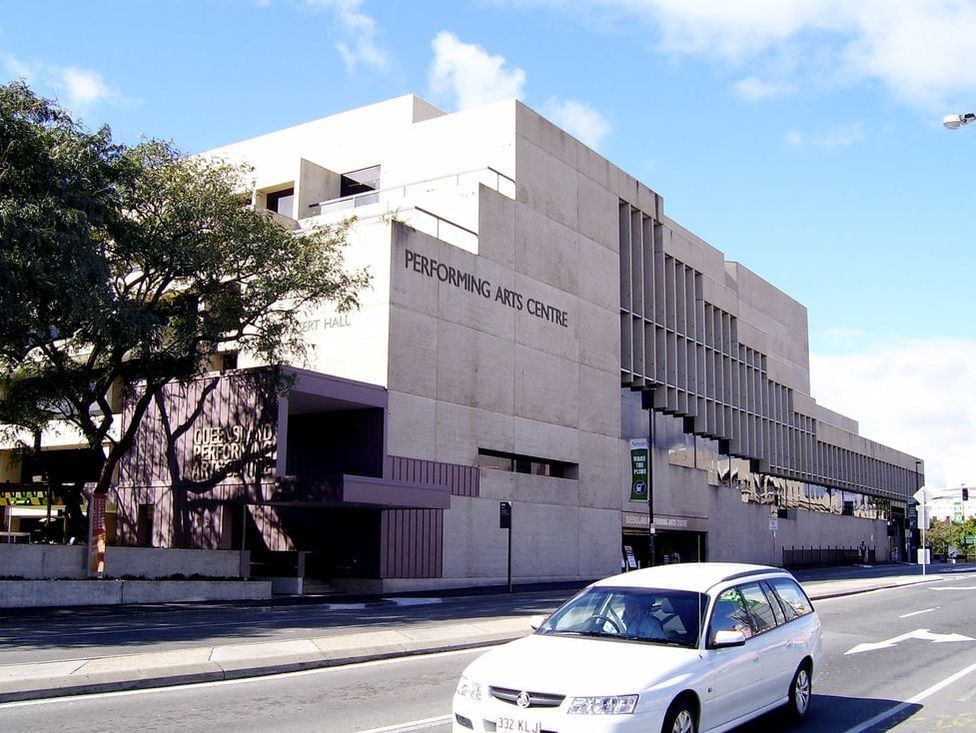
(463, 280)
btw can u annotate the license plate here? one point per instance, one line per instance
(506, 724)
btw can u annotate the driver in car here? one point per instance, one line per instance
(638, 620)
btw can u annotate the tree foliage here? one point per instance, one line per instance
(126, 268)
(943, 535)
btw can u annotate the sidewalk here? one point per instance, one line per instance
(229, 661)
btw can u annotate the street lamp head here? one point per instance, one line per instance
(954, 122)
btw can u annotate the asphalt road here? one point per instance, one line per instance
(899, 659)
(40, 635)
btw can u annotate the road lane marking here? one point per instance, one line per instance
(954, 587)
(923, 634)
(917, 613)
(412, 725)
(900, 708)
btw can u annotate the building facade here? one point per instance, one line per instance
(538, 332)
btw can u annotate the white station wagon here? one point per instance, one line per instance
(677, 648)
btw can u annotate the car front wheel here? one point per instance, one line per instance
(801, 690)
(680, 718)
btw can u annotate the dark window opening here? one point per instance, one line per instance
(282, 202)
(362, 181)
(502, 461)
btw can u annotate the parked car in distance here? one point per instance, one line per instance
(682, 648)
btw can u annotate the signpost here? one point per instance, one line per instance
(923, 553)
(505, 522)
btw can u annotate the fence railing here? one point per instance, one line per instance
(490, 177)
(810, 557)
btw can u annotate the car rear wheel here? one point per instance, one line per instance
(801, 690)
(680, 718)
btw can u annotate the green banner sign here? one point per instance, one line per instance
(638, 469)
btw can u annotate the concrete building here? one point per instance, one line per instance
(949, 505)
(536, 321)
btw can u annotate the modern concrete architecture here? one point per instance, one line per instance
(538, 332)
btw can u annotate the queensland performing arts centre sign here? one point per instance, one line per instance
(481, 287)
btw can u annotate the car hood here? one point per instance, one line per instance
(582, 666)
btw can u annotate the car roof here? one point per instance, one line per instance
(700, 576)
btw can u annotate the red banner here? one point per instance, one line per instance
(96, 522)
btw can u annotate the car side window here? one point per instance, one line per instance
(775, 604)
(730, 614)
(759, 607)
(794, 601)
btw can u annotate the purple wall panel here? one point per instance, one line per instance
(412, 543)
(463, 480)
(204, 429)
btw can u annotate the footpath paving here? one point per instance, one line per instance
(165, 667)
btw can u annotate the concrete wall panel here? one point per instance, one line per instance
(410, 426)
(546, 249)
(546, 387)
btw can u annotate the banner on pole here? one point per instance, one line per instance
(638, 469)
(96, 526)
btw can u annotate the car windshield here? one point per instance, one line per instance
(638, 614)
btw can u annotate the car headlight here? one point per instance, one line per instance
(605, 705)
(469, 688)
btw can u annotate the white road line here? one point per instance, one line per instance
(892, 712)
(917, 613)
(412, 725)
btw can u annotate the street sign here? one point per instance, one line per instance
(504, 515)
(773, 524)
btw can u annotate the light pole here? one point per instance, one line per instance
(954, 122)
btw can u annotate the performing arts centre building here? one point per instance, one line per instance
(537, 332)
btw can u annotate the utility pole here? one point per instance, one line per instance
(650, 484)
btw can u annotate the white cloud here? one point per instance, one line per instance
(919, 50)
(83, 87)
(361, 48)
(795, 138)
(839, 137)
(578, 119)
(76, 89)
(468, 75)
(754, 89)
(917, 396)
(19, 69)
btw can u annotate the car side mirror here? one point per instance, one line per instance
(536, 621)
(725, 638)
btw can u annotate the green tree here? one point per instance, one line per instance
(939, 536)
(123, 269)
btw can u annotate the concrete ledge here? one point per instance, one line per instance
(47, 593)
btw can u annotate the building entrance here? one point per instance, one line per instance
(670, 546)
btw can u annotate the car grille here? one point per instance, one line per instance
(536, 699)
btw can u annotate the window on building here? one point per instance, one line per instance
(516, 463)
(362, 181)
(282, 202)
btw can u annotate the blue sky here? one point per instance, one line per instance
(802, 138)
